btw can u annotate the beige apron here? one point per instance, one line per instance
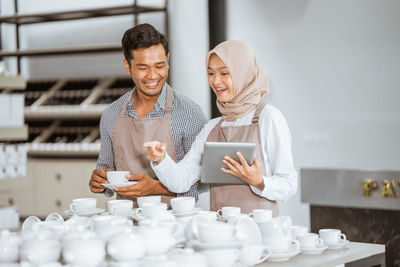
(130, 134)
(240, 195)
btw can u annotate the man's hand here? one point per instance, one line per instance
(155, 151)
(146, 186)
(242, 170)
(99, 177)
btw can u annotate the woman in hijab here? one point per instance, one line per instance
(240, 86)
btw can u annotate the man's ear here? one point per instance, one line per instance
(127, 66)
(168, 60)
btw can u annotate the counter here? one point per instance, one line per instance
(356, 254)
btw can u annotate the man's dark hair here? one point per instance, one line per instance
(142, 36)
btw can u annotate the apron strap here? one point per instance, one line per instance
(259, 108)
(168, 102)
(124, 106)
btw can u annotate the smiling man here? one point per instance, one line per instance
(151, 111)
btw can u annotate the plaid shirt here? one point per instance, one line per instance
(187, 119)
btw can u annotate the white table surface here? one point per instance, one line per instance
(354, 251)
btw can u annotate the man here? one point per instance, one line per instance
(151, 111)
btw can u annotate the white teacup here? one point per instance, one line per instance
(217, 232)
(309, 240)
(148, 199)
(331, 236)
(117, 177)
(151, 210)
(225, 212)
(252, 254)
(261, 215)
(182, 204)
(233, 218)
(277, 226)
(221, 257)
(120, 207)
(298, 230)
(281, 244)
(192, 228)
(83, 205)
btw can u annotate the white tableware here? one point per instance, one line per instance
(117, 177)
(309, 240)
(253, 254)
(151, 210)
(157, 239)
(29, 223)
(41, 251)
(126, 247)
(221, 257)
(137, 263)
(281, 244)
(157, 261)
(297, 230)
(188, 257)
(339, 245)
(277, 226)
(184, 214)
(120, 207)
(224, 212)
(284, 256)
(148, 199)
(113, 186)
(217, 232)
(9, 246)
(107, 226)
(88, 213)
(314, 250)
(182, 204)
(199, 245)
(83, 205)
(233, 218)
(192, 231)
(89, 252)
(248, 230)
(331, 236)
(54, 217)
(261, 215)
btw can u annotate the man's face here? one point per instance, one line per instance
(148, 69)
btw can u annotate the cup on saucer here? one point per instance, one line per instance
(148, 199)
(261, 215)
(120, 207)
(331, 236)
(281, 244)
(183, 204)
(117, 177)
(310, 240)
(83, 205)
(225, 212)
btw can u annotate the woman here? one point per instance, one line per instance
(240, 85)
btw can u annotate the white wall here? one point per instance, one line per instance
(334, 68)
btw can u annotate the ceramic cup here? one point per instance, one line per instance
(331, 236)
(278, 226)
(225, 212)
(217, 232)
(148, 199)
(183, 204)
(298, 230)
(261, 215)
(281, 244)
(252, 254)
(120, 207)
(151, 210)
(117, 177)
(83, 205)
(309, 240)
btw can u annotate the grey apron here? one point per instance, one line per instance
(129, 136)
(240, 195)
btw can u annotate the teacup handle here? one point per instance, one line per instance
(319, 242)
(343, 237)
(139, 212)
(72, 207)
(251, 214)
(266, 253)
(219, 213)
(296, 243)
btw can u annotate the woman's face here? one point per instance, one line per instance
(220, 79)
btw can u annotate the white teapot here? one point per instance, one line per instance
(9, 246)
(127, 246)
(158, 239)
(41, 250)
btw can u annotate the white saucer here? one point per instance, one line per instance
(188, 213)
(90, 213)
(284, 256)
(196, 244)
(339, 245)
(113, 186)
(313, 251)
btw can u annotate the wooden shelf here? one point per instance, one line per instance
(12, 82)
(14, 133)
(65, 112)
(79, 14)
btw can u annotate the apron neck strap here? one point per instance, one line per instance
(259, 108)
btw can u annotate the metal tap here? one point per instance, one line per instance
(369, 185)
(388, 189)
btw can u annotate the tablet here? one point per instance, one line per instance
(214, 152)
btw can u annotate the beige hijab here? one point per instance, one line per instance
(249, 81)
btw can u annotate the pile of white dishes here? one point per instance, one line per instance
(277, 234)
(333, 238)
(83, 207)
(310, 243)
